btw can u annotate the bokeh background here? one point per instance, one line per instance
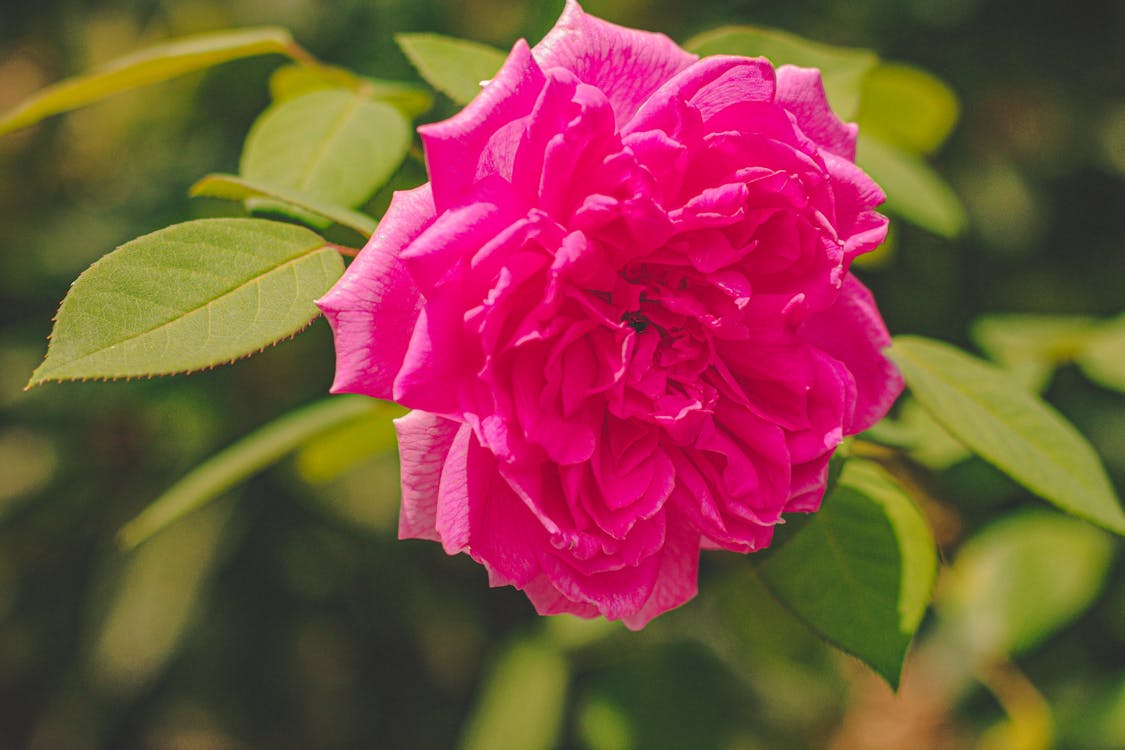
(287, 616)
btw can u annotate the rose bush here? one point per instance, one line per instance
(622, 313)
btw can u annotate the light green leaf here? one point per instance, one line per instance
(1019, 580)
(188, 297)
(149, 66)
(291, 81)
(233, 187)
(1003, 423)
(523, 700)
(861, 569)
(153, 601)
(914, 190)
(350, 443)
(250, 455)
(907, 108)
(1102, 358)
(455, 67)
(331, 145)
(842, 68)
(1029, 346)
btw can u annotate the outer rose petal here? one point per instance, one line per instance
(626, 64)
(677, 578)
(424, 441)
(373, 307)
(801, 91)
(853, 332)
(455, 147)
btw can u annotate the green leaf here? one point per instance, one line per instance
(1102, 358)
(1003, 423)
(1019, 580)
(153, 601)
(350, 443)
(915, 192)
(331, 145)
(455, 67)
(149, 66)
(250, 455)
(1030, 347)
(523, 700)
(861, 569)
(843, 69)
(907, 108)
(188, 297)
(291, 81)
(233, 187)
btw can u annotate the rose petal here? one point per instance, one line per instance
(424, 441)
(801, 91)
(853, 332)
(626, 64)
(373, 307)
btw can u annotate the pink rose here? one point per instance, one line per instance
(622, 314)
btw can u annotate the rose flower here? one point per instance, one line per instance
(622, 314)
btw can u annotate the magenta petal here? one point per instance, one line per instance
(373, 307)
(456, 147)
(801, 91)
(853, 332)
(677, 578)
(626, 64)
(424, 441)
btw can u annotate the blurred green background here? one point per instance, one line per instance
(287, 616)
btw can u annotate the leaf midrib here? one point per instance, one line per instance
(205, 306)
(333, 134)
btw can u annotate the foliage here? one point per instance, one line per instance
(860, 573)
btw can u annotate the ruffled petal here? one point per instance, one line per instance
(424, 441)
(626, 64)
(373, 307)
(457, 149)
(853, 332)
(801, 91)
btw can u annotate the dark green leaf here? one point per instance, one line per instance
(842, 68)
(914, 190)
(232, 187)
(148, 66)
(455, 67)
(861, 569)
(330, 145)
(188, 297)
(1021, 579)
(1003, 423)
(251, 454)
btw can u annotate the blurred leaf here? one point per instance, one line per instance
(253, 453)
(907, 108)
(861, 570)
(233, 187)
(148, 66)
(915, 192)
(291, 81)
(842, 68)
(455, 67)
(1031, 346)
(1009, 427)
(153, 600)
(188, 297)
(331, 145)
(521, 704)
(1102, 359)
(1022, 578)
(332, 453)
